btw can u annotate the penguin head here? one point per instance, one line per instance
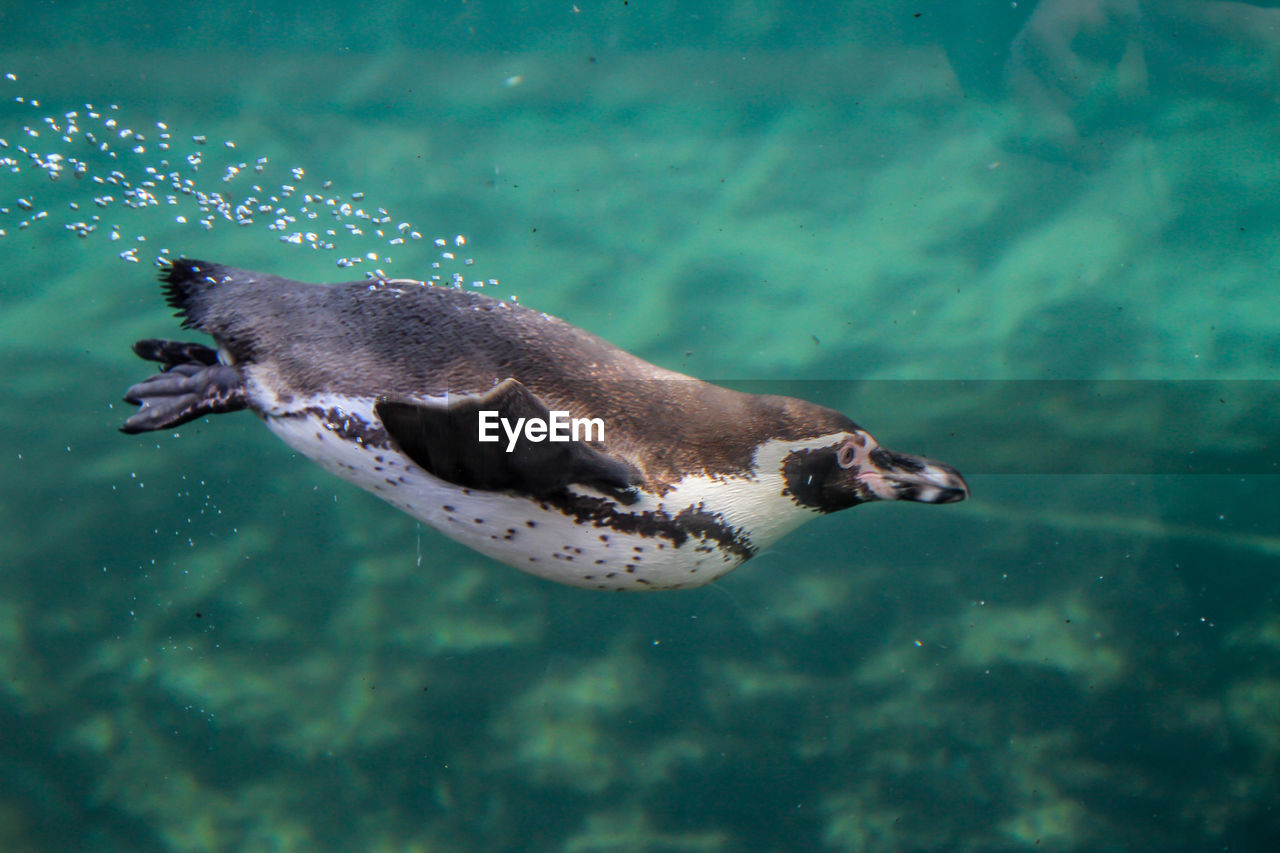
(855, 469)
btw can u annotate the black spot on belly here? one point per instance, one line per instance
(693, 521)
(346, 426)
(448, 508)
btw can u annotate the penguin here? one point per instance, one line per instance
(513, 432)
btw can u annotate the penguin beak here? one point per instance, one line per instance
(902, 477)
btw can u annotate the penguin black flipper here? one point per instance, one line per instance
(192, 385)
(445, 440)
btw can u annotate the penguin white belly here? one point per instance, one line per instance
(342, 436)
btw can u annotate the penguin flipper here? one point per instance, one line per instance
(445, 440)
(193, 384)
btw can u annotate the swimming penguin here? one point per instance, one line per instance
(513, 432)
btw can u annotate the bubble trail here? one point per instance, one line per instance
(121, 172)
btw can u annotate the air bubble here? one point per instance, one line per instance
(139, 176)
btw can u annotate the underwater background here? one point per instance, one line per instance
(1037, 240)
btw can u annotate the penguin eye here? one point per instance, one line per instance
(846, 455)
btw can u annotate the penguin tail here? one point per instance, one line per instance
(187, 285)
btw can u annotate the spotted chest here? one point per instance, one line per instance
(578, 537)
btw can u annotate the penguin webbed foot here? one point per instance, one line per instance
(183, 391)
(174, 353)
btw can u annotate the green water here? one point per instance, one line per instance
(207, 643)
